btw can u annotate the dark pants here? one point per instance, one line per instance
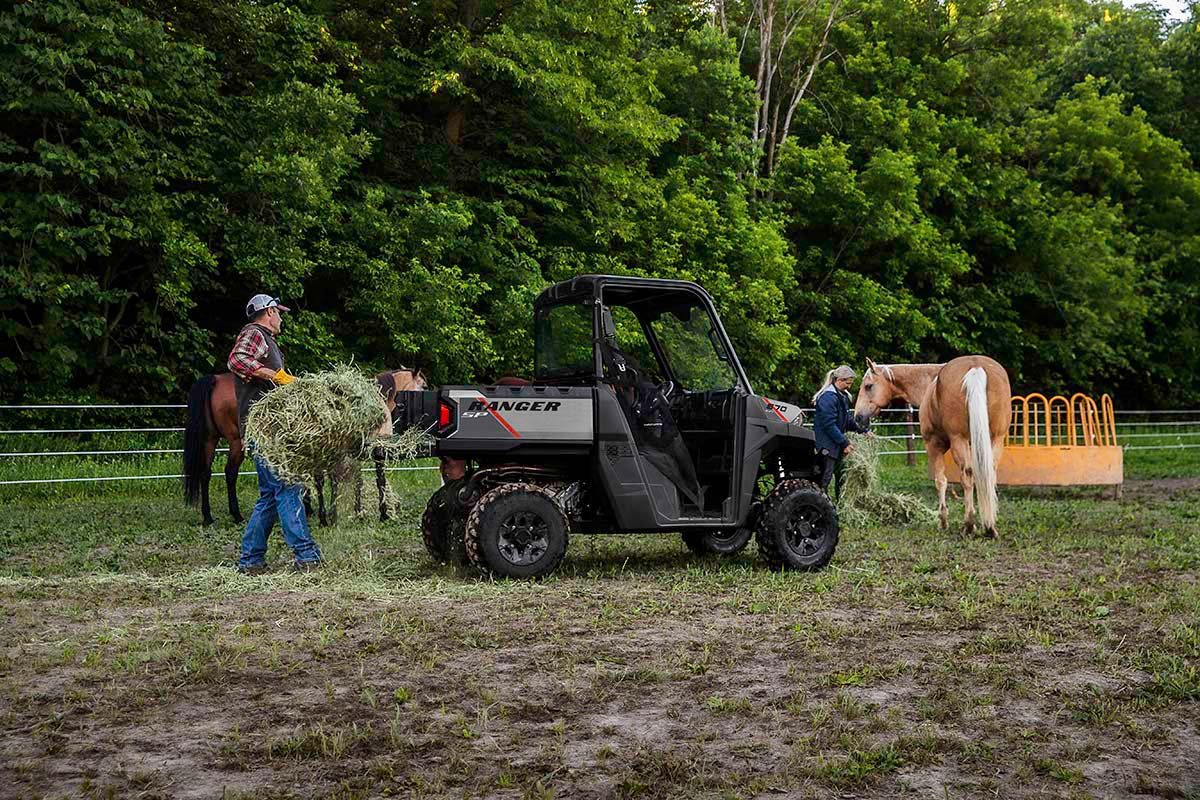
(831, 465)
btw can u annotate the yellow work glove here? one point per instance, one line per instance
(283, 378)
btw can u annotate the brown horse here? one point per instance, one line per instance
(212, 416)
(966, 407)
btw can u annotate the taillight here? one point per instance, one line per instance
(444, 415)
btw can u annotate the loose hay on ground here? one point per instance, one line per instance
(863, 501)
(324, 422)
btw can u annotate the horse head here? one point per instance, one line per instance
(877, 390)
(410, 380)
(398, 380)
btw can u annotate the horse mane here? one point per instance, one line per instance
(884, 370)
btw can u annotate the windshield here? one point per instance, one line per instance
(563, 342)
(692, 346)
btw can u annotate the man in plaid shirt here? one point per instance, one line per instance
(247, 359)
(258, 362)
(254, 356)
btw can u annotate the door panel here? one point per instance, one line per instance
(641, 496)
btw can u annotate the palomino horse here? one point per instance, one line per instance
(966, 406)
(212, 416)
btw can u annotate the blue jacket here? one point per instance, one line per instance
(831, 420)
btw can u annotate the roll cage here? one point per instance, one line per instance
(649, 299)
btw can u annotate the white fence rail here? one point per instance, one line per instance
(902, 436)
(12, 452)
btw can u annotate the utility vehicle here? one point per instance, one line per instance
(638, 418)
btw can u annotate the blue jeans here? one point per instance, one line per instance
(282, 502)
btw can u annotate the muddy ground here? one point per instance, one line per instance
(1060, 661)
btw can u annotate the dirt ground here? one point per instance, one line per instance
(1060, 661)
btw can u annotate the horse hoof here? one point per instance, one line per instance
(968, 530)
(238, 518)
(990, 533)
(207, 522)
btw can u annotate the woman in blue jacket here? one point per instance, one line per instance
(831, 421)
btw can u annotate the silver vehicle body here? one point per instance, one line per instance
(580, 430)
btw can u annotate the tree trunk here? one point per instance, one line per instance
(787, 63)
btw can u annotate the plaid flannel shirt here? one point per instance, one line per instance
(249, 353)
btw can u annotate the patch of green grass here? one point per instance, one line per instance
(719, 705)
(1058, 771)
(320, 742)
(861, 768)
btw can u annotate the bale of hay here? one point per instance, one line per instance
(864, 501)
(325, 422)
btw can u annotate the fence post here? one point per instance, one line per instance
(910, 458)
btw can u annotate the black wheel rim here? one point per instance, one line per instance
(807, 529)
(524, 538)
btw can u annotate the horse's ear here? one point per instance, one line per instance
(870, 365)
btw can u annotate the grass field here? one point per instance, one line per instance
(1062, 660)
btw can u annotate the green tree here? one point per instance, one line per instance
(140, 186)
(1182, 55)
(907, 181)
(941, 202)
(1124, 46)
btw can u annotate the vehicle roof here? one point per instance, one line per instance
(585, 286)
(650, 295)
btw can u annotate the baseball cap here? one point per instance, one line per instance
(261, 302)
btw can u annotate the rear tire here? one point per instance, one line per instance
(441, 526)
(798, 528)
(722, 542)
(517, 531)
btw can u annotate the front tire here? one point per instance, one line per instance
(517, 531)
(721, 542)
(798, 528)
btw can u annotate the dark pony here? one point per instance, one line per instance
(212, 416)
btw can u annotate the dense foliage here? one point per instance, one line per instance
(1011, 178)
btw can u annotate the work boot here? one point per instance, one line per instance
(306, 566)
(253, 569)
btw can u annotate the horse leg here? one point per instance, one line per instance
(358, 493)
(233, 464)
(210, 452)
(962, 454)
(333, 493)
(381, 484)
(319, 482)
(935, 454)
(223, 420)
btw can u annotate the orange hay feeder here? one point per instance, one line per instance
(1059, 442)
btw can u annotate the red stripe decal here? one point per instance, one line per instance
(499, 418)
(771, 406)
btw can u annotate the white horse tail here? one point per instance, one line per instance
(984, 465)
